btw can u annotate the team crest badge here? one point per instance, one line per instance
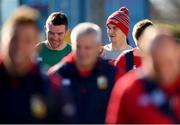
(38, 107)
(66, 82)
(102, 82)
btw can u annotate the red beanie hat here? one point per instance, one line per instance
(120, 18)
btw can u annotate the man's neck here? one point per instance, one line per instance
(18, 70)
(61, 47)
(86, 67)
(138, 51)
(119, 45)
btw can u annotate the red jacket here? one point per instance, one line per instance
(131, 103)
(126, 61)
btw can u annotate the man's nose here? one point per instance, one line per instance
(111, 31)
(55, 37)
(82, 51)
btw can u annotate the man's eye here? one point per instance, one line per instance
(60, 34)
(114, 28)
(50, 32)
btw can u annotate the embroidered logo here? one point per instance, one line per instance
(38, 107)
(102, 82)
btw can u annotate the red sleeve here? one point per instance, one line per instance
(55, 81)
(53, 69)
(126, 106)
(137, 60)
(120, 61)
(138, 110)
(120, 65)
(68, 58)
(115, 107)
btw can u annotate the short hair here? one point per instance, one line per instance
(139, 28)
(57, 18)
(17, 19)
(85, 29)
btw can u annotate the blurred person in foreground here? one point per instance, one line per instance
(178, 44)
(52, 50)
(178, 41)
(89, 78)
(143, 33)
(117, 30)
(27, 95)
(150, 94)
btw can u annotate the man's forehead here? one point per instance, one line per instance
(111, 25)
(88, 39)
(57, 28)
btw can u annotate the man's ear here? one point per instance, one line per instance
(67, 30)
(101, 48)
(100, 44)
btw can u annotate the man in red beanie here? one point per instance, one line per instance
(117, 29)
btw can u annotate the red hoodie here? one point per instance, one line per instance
(125, 60)
(130, 103)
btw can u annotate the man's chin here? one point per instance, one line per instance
(86, 64)
(18, 63)
(55, 46)
(112, 40)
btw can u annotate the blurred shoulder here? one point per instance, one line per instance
(41, 44)
(108, 47)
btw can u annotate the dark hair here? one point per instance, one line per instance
(57, 18)
(140, 27)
